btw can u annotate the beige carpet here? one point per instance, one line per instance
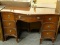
(27, 38)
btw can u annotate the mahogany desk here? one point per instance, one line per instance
(47, 16)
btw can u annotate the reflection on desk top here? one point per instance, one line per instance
(29, 10)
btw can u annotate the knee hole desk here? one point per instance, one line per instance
(47, 16)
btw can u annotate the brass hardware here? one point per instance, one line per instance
(38, 17)
(50, 18)
(47, 33)
(8, 16)
(9, 23)
(19, 16)
(48, 26)
(10, 31)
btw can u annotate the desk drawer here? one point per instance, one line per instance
(50, 18)
(28, 18)
(49, 26)
(9, 31)
(36, 18)
(9, 24)
(48, 34)
(7, 16)
(19, 16)
(22, 17)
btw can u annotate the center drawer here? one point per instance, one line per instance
(9, 31)
(9, 24)
(7, 16)
(48, 34)
(28, 18)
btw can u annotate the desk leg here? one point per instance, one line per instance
(1, 33)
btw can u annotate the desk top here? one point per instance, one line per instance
(29, 10)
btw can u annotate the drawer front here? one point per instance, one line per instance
(49, 26)
(28, 18)
(9, 24)
(9, 31)
(22, 18)
(48, 34)
(50, 19)
(36, 18)
(7, 16)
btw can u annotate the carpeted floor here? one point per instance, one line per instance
(30, 39)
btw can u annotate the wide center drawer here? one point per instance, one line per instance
(48, 34)
(7, 16)
(9, 31)
(9, 24)
(28, 18)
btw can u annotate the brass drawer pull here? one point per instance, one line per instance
(10, 31)
(38, 17)
(19, 17)
(48, 26)
(50, 18)
(8, 16)
(47, 33)
(9, 23)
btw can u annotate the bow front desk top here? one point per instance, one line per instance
(29, 10)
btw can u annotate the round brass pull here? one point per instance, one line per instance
(9, 23)
(47, 33)
(19, 17)
(10, 31)
(8, 16)
(50, 18)
(38, 17)
(48, 26)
